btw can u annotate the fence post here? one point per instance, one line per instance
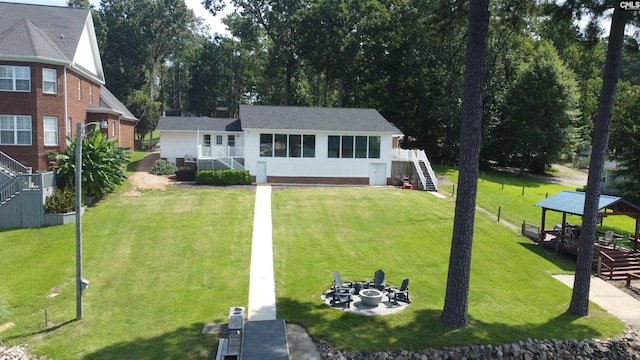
(502, 184)
(453, 189)
(499, 208)
(522, 190)
(599, 266)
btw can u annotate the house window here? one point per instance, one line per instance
(206, 140)
(280, 145)
(15, 130)
(49, 81)
(348, 147)
(295, 145)
(231, 140)
(90, 94)
(15, 78)
(309, 146)
(79, 89)
(374, 147)
(285, 145)
(333, 150)
(266, 145)
(361, 147)
(219, 140)
(51, 130)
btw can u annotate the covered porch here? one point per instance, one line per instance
(567, 236)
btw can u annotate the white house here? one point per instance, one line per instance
(287, 144)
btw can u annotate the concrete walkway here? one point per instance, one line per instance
(615, 301)
(262, 293)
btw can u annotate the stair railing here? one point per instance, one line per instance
(12, 165)
(416, 164)
(10, 188)
(422, 156)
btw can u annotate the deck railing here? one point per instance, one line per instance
(416, 156)
(214, 152)
(13, 166)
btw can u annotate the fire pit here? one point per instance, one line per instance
(371, 297)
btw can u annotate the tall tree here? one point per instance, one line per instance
(541, 111)
(625, 141)
(579, 304)
(278, 20)
(456, 302)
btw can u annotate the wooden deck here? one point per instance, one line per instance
(615, 264)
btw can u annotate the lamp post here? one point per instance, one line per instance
(80, 282)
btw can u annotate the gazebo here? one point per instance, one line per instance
(572, 202)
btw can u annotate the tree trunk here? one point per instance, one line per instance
(456, 302)
(582, 282)
(340, 91)
(287, 84)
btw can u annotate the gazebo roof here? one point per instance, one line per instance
(572, 202)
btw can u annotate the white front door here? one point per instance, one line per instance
(378, 174)
(261, 172)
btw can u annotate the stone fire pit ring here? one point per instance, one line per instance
(370, 297)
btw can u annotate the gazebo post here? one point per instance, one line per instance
(635, 242)
(542, 234)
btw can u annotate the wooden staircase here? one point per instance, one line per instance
(614, 264)
(428, 185)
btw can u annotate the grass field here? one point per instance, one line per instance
(514, 196)
(164, 263)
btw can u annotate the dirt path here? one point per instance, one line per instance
(143, 180)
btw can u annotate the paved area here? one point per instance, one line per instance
(262, 293)
(357, 307)
(615, 301)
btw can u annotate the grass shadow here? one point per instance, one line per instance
(564, 261)
(187, 341)
(40, 332)
(424, 329)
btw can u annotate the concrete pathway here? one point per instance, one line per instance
(620, 304)
(262, 293)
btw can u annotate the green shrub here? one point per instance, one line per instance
(163, 167)
(60, 202)
(223, 177)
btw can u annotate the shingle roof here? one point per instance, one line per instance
(314, 118)
(42, 31)
(572, 202)
(204, 123)
(110, 104)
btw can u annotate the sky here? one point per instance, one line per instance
(214, 22)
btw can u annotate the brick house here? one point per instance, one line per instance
(51, 78)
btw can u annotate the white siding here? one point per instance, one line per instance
(320, 165)
(178, 145)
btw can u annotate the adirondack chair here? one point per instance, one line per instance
(378, 281)
(621, 241)
(341, 295)
(608, 237)
(338, 280)
(394, 294)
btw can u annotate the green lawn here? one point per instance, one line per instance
(164, 263)
(160, 266)
(408, 234)
(504, 191)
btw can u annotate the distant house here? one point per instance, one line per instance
(288, 144)
(51, 79)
